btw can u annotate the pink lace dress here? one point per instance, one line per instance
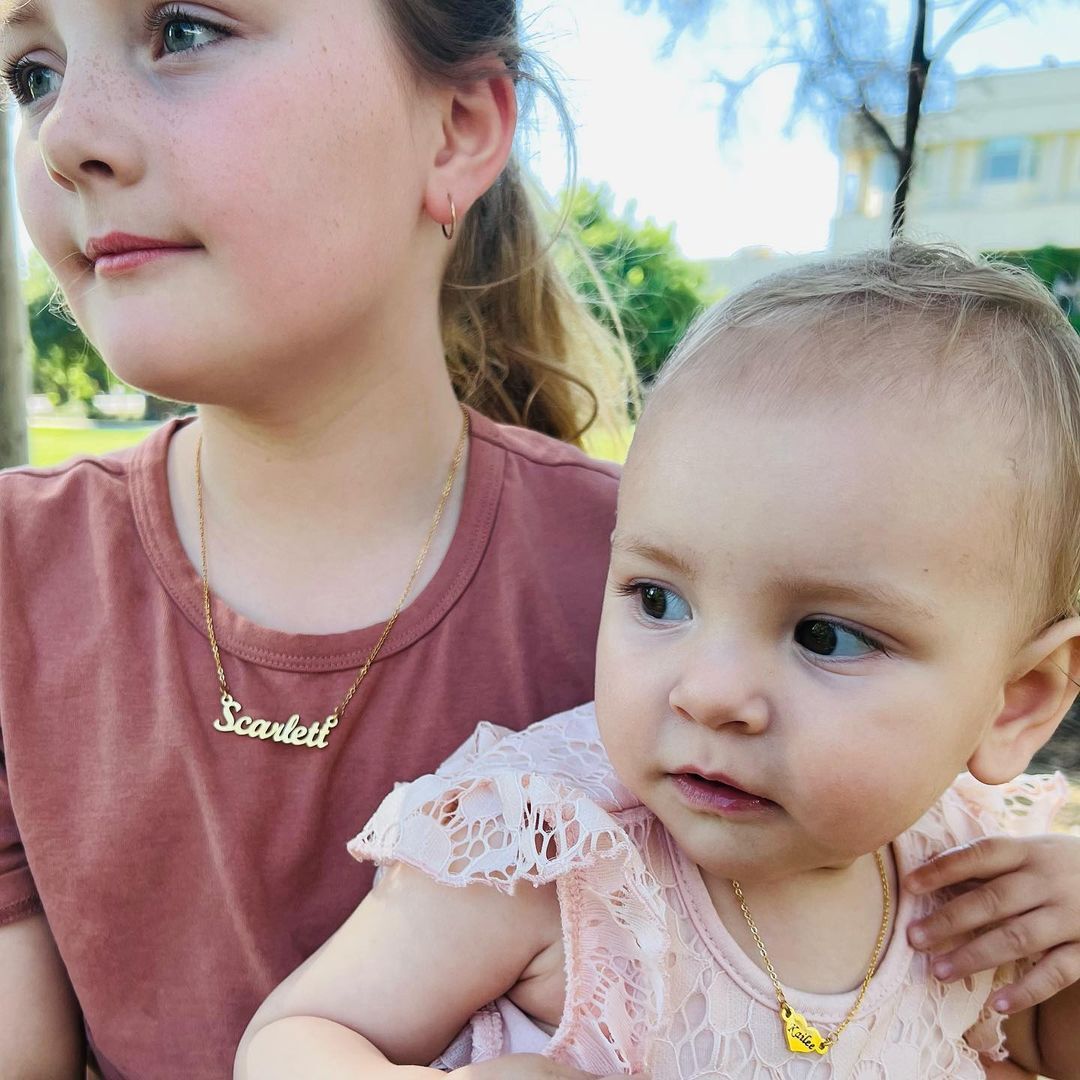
(653, 979)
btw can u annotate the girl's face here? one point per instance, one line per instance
(807, 605)
(279, 148)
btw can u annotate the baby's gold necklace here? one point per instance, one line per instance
(801, 1037)
(291, 732)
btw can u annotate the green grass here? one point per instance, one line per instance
(53, 445)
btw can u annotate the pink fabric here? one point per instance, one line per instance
(184, 872)
(654, 980)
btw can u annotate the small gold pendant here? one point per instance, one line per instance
(291, 732)
(802, 1038)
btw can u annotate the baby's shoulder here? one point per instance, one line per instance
(970, 809)
(507, 808)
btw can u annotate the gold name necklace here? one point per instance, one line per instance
(801, 1037)
(291, 732)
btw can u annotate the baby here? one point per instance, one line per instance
(844, 574)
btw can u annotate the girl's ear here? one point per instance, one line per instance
(1040, 690)
(479, 119)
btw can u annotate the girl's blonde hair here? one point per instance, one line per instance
(935, 320)
(521, 346)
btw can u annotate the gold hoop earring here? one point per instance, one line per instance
(449, 233)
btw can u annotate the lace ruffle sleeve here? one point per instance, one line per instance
(506, 807)
(1024, 807)
(539, 806)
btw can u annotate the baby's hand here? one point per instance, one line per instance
(1022, 900)
(528, 1067)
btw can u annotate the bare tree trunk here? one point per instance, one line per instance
(14, 383)
(918, 69)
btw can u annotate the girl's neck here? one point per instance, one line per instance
(316, 512)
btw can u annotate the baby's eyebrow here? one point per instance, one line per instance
(879, 593)
(643, 549)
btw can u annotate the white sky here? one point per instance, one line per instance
(648, 126)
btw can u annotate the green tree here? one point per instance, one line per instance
(66, 367)
(1059, 268)
(638, 269)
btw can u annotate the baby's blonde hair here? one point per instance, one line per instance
(935, 321)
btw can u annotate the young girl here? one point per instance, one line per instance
(844, 571)
(223, 648)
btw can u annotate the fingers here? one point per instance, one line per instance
(1002, 898)
(987, 857)
(1057, 970)
(1026, 935)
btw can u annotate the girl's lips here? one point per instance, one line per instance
(719, 798)
(121, 252)
(127, 261)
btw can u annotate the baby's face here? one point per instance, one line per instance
(807, 626)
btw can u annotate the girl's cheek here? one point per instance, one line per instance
(42, 215)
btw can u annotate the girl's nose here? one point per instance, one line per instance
(718, 688)
(89, 138)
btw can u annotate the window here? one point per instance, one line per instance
(1006, 161)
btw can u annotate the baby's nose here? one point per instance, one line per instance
(719, 687)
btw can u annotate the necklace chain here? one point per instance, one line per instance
(226, 696)
(785, 1006)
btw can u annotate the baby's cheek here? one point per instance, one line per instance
(861, 804)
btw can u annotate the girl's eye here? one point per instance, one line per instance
(181, 31)
(663, 605)
(30, 82)
(184, 34)
(825, 638)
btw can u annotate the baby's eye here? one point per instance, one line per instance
(826, 638)
(183, 34)
(663, 605)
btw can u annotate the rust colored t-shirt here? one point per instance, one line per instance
(185, 872)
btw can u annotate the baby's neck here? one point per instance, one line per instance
(819, 926)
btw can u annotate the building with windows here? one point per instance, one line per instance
(999, 170)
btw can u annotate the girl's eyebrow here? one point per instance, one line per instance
(19, 14)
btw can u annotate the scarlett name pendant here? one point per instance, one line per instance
(233, 719)
(291, 732)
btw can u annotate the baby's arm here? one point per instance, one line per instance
(399, 980)
(1046, 1037)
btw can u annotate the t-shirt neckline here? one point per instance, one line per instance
(245, 639)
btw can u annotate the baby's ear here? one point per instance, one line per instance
(1037, 696)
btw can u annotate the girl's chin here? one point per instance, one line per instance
(172, 377)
